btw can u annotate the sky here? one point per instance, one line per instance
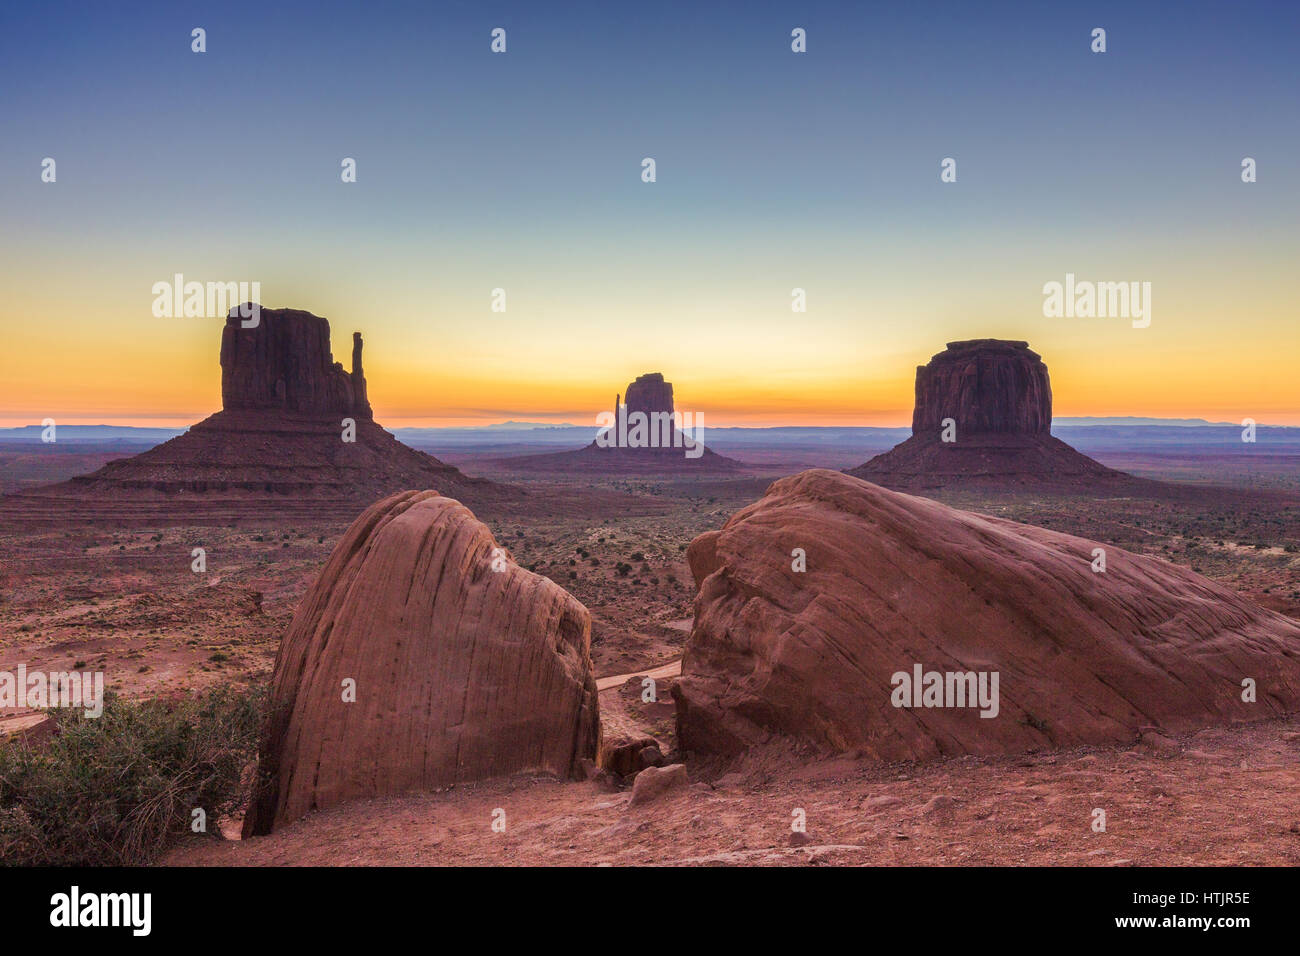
(775, 170)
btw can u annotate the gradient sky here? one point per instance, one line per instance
(775, 170)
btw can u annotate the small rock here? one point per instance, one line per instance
(799, 838)
(649, 756)
(1157, 742)
(880, 802)
(940, 803)
(654, 782)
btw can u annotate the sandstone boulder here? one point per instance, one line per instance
(895, 581)
(461, 671)
(654, 782)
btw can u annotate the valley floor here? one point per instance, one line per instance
(1225, 796)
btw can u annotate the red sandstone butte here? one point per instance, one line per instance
(651, 396)
(999, 398)
(280, 431)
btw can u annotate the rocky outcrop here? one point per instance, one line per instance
(463, 666)
(293, 424)
(894, 583)
(649, 394)
(284, 363)
(984, 385)
(983, 415)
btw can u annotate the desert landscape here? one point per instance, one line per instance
(797, 439)
(767, 737)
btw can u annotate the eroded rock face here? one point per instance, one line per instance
(985, 385)
(894, 581)
(295, 424)
(285, 363)
(461, 672)
(999, 399)
(649, 394)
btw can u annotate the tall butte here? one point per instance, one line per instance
(983, 414)
(293, 423)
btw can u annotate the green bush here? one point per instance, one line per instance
(113, 790)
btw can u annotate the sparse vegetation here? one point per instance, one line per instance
(114, 790)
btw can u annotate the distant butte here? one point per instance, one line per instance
(281, 430)
(994, 398)
(643, 439)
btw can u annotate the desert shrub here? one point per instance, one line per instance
(623, 569)
(113, 790)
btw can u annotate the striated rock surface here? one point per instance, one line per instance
(894, 581)
(999, 398)
(649, 394)
(985, 385)
(284, 363)
(461, 672)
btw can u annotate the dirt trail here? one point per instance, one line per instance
(671, 669)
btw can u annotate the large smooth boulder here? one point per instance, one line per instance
(465, 666)
(895, 581)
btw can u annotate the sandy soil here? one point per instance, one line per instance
(1223, 796)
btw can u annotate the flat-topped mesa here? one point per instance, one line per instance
(998, 394)
(986, 386)
(284, 363)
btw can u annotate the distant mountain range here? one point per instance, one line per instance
(1134, 420)
(91, 434)
(1082, 432)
